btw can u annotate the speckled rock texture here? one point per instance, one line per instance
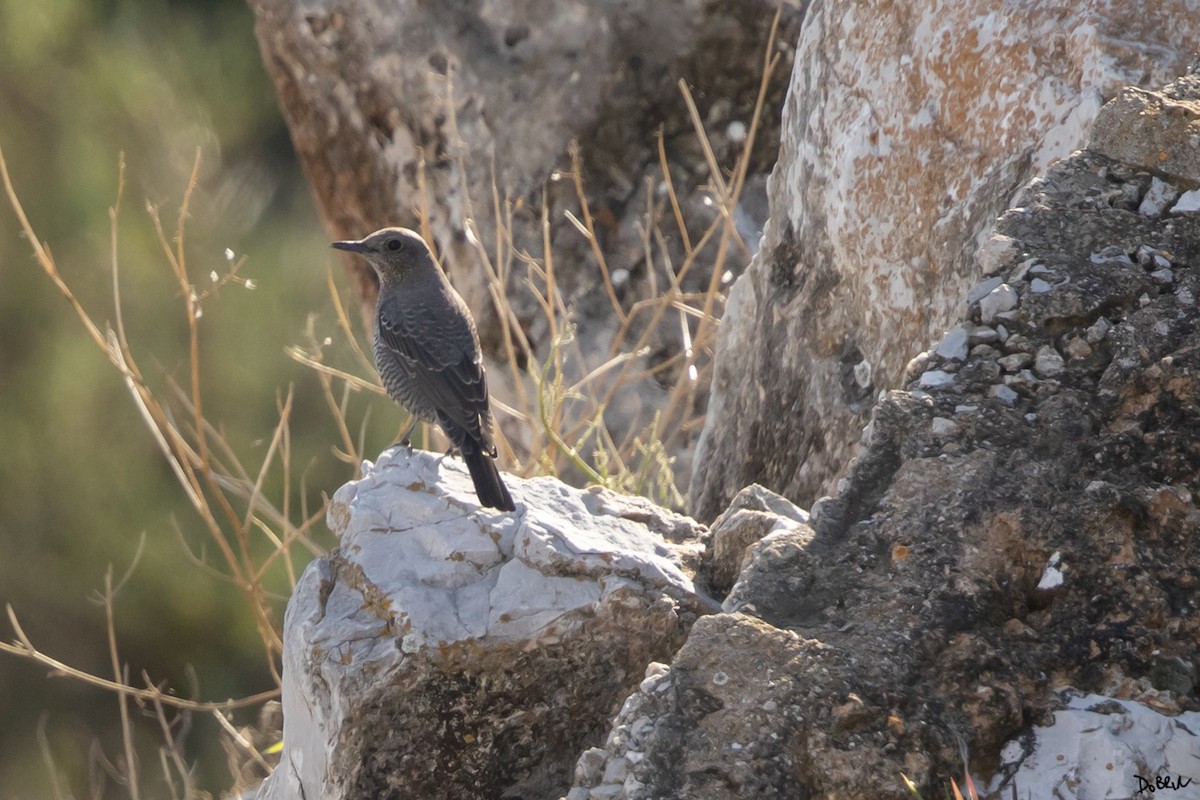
(446, 651)
(908, 128)
(1020, 528)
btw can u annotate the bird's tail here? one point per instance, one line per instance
(490, 490)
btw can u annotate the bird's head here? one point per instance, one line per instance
(393, 252)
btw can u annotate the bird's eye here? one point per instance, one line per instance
(394, 244)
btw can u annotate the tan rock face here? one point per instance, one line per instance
(908, 128)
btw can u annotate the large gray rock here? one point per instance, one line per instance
(1010, 571)
(447, 651)
(908, 128)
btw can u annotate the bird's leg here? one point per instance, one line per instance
(442, 457)
(404, 440)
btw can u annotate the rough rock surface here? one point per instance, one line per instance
(1022, 525)
(907, 129)
(755, 513)
(447, 651)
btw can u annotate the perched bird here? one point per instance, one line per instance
(427, 352)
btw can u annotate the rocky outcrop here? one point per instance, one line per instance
(447, 651)
(907, 129)
(1014, 554)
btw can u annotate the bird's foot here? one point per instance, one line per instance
(404, 440)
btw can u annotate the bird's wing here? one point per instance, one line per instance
(440, 351)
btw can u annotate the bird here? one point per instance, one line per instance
(427, 352)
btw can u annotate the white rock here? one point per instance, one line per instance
(935, 378)
(1003, 393)
(1039, 286)
(1162, 277)
(1189, 203)
(425, 582)
(995, 253)
(1052, 578)
(1002, 298)
(941, 426)
(1014, 362)
(954, 344)
(1157, 198)
(1052, 575)
(640, 728)
(1098, 330)
(1097, 747)
(862, 373)
(1111, 255)
(983, 289)
(589, 765)
(1048, 363)
(615, 771)
(1018, 274)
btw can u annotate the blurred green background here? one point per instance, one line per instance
(81, 479)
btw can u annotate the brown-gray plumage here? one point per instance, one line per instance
(427, 352)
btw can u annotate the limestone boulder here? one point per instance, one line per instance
(908, 128)
(446, 651)
(1008, 580)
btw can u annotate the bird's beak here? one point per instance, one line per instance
(351, 245)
